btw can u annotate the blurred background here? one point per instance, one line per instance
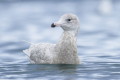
(30, 20)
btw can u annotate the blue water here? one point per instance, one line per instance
(98, 39)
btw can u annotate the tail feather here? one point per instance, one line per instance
(27, 52)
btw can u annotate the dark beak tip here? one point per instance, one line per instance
(52, 25)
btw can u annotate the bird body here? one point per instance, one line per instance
(64, 52)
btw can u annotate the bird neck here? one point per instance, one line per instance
(68, 37)
(67, 48)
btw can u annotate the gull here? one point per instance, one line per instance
(64, 51)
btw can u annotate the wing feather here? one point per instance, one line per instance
(40, 53)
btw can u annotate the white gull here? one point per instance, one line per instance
(65, 51)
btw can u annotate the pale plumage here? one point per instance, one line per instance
(65, 51)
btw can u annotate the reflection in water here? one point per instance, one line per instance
(51, 71)
(68, 71)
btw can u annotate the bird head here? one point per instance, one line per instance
(68, 22)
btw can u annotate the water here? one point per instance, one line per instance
(98, 40)
(95, 71)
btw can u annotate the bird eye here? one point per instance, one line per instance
(68, 19)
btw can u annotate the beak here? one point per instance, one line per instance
(55, 24)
